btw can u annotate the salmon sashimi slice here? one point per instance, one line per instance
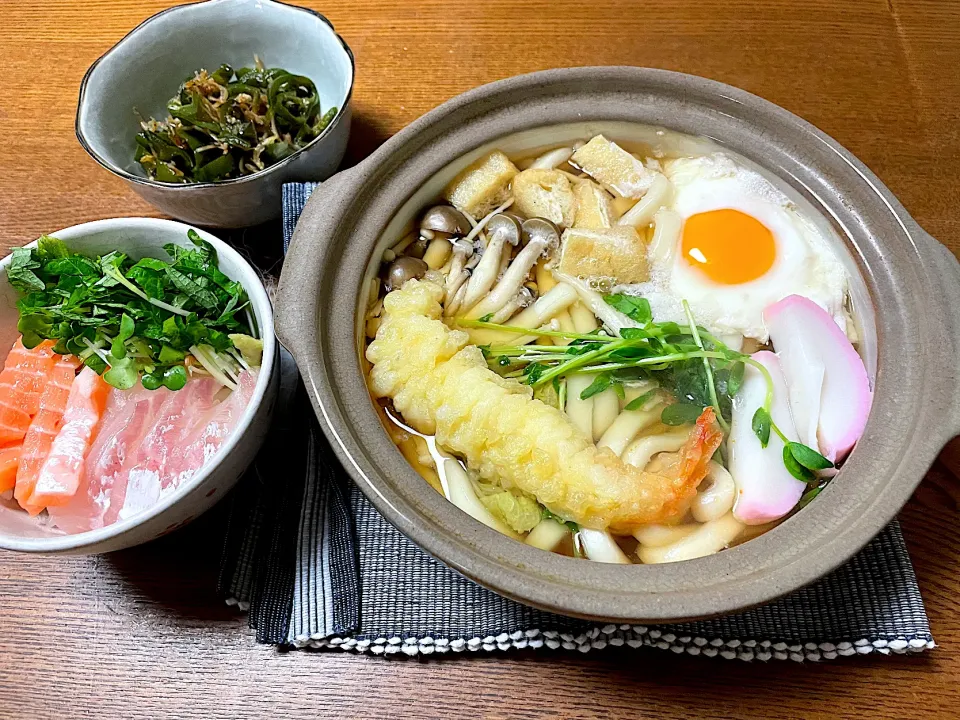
(163, 443)
(126, 420)
(61, 472)
(45, 425)
(22, 380)
(9, 457)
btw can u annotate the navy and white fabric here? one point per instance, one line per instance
(317, 566)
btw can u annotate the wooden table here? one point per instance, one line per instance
(141, 633)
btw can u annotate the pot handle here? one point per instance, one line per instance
(296, 304)
(944, 268)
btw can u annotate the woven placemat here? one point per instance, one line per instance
(317, 566)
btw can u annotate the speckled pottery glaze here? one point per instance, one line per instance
(145, 237)
(905, 287)
(141, 73)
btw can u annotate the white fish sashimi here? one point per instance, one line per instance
(163, 445)
(150, 442)
(127, 417)
(208, 433)
(766, 490)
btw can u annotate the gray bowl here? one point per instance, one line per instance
(906, 286)
(143, 70)
(145, 237)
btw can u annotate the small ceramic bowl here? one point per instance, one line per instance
(145, 237)
(906, 290)
(142, 72)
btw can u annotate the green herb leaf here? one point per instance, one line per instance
(51, 248)
(486, 318)
(118, 348)
(808, 496)
(122, 373)
(96, 363)
(635, 308)
(175, 378)
(35, 328)
(600, 383)
(631, 333)
(735, 378)
(169, 356)
(21, 273)
(761, 426)
(638, 402)
(192, 289)
(630, 353)
(533, 371)
(795, 468)
(680, 414)
(808, 457)
(668, 329)
(76, 265)
(123, 318)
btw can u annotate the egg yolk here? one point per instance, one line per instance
(728, 246)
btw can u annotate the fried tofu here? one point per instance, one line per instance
(611, 165)
(594, 207)
(483, 186)
(618, 253)
(547, 194)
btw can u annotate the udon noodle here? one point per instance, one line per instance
(574, 348)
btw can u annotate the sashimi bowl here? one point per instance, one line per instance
(138, 382)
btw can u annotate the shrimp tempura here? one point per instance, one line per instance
(442, 386)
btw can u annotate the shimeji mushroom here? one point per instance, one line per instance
(502, 230)
(542, 236)
(519, 301)
(453, 305)
(402, 269)
(613, 319)
(439, 225)
(546, 307)
(458, 275)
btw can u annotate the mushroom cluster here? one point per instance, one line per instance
(487, 266)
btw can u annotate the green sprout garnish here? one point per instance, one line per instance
(699, 369)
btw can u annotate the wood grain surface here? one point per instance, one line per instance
(141, 633)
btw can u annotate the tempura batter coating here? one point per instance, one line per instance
(442, 386)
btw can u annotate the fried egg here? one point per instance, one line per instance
(742, 246)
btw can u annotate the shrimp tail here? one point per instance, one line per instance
(694, 460)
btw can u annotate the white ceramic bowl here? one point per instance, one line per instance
(143, 70)
(145, 237)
